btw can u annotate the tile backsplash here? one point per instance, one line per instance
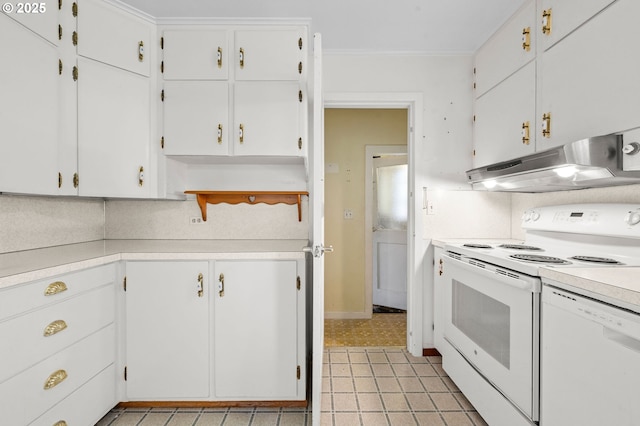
(32, 222)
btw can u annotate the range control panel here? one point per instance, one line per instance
(618, 220)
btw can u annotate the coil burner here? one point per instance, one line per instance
(520, 247)
(478, 246)
(540, 259)
(594, 259)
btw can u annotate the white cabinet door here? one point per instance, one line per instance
(590, 79)
(28, 104)
(566, 16)
(113, 36)
(267, 119)
(257, 348)
(504, 52)
(196, 118)
(500, 116)
(273, 54)
(113, 131)
(195, 55)
(40, 17)
(167, 337)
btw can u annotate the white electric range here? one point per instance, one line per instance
(493, 303)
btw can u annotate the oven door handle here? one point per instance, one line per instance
(505, 276)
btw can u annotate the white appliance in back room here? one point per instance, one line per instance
(525, 350)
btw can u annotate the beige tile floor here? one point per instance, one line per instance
(368, 379)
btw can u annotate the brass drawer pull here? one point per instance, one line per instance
(55, 288)
(55, 379)
(60, 423)
(54, 328)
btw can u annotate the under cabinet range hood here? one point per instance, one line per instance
(587, 163)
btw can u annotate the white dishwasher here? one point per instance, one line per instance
(590, 362)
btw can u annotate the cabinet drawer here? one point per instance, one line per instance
(24, 397)
(32, 337)
(87, 405)
(18, 299)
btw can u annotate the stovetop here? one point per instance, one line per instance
(574, 236)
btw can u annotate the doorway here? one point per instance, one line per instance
(352, 136)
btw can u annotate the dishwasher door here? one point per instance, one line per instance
(590, 362)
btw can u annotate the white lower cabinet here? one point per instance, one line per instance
(57, 339)
(167, 330)
(259, 330)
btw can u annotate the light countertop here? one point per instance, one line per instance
(441, 242)
(29, 265)
(619, 286)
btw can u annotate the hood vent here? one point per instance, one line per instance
(587, 163)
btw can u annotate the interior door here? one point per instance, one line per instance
(317, 230)
(390, 205)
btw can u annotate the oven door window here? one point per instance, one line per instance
(484, 320)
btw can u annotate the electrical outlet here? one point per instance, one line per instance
(196, 220)
(348, 214)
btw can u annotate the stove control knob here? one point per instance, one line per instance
(535, 215)
(526, 216)
(633, 218)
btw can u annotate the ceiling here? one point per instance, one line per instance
(368, 26)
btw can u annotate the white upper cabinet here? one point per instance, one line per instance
(40, 17)
(589, 80)
(268, 119)
(28, 104)
(558, 18)
(196, 118)
(113, 36)
(113, 131)
(507, 50)
(273, 54)
(195, 55)
(505, 118)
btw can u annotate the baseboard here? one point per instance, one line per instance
(211, 404)
(430, 352)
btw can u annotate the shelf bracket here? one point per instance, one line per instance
(236, 197)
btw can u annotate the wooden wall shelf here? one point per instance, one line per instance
(236, 197)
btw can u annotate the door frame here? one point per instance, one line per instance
(416, 247)
(370, 151)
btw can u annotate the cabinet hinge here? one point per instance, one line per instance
(162, 142)
(59, 32)
(162, 67)
(474, 70)
(300, 67)
(74, 73)
(74, 38)
(299, 143)
(474, 152)
(124, 283)
(76, 180)
(161, 42)
(59, 180)
(162, 95)
(474, 85)
(298, 372)
(59, 66)
(299, 42)
(125, 374)
(474, 118)
(300, 95)
(59, 4)
(74, 9)
(298, 283)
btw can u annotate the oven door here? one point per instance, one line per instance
(491, 316)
